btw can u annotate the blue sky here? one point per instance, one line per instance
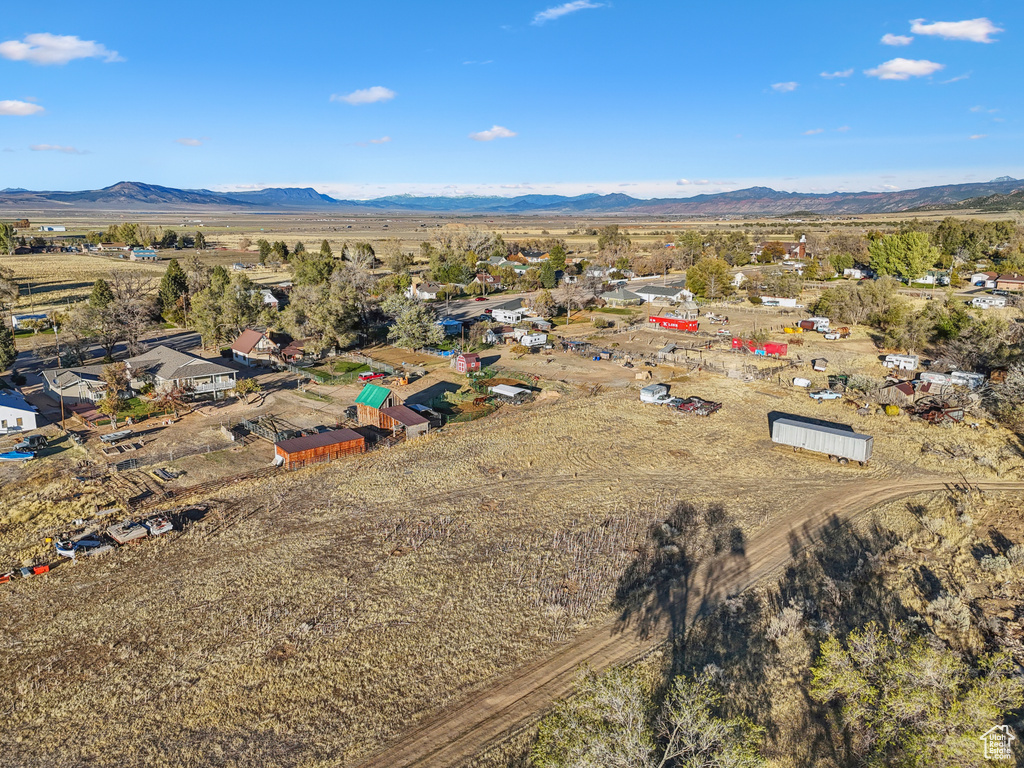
(648, 98)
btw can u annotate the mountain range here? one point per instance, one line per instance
(753, 201)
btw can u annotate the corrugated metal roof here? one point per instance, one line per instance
(373, 396)
(405, 416)
(319, 440)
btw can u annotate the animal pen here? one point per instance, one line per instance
(313, 449)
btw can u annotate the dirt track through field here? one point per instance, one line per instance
(454, 735)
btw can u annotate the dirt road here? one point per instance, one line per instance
(456, 734)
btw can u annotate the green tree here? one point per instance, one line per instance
(689, 247)
(8, 238)
(708, 278)
(115, 377)
(128, 233)
(101, 295)
(8, 350)
(547, 275)
(280, 249)
(311, 269)
(903, 701)
(200, 241)
(173, 292)
(326, 314)
(612, 237)
(907, 255)
(265, 250)
(300, 247)
(245, 387)
(414, 324)
(325, 250)
(556, 257)
(395, 259)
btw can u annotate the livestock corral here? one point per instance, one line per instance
(372, 590)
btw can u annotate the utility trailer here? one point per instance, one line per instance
(839, 444)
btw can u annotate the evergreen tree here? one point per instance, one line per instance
(200, 241)
(8, 352)
(173, 292)
(300, 247)
(325, 250)
(101, 295)
(556, 257)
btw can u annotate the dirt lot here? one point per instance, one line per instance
(368, 592)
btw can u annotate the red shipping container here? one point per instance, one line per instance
(38, 569)
(690, 326)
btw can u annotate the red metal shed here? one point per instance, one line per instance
(323, 446)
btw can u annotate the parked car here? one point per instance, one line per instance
(371, 375)
(31, 444)
(487, 311)
(480, 298)
(675, 402)
(826, 394)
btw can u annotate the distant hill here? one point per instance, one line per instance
(1013, 201)
(754, 201)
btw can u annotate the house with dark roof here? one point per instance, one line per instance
(1011, 282)
(425, 291)
(253, 347)
(620, 297)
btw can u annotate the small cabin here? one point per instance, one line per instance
(467, 363)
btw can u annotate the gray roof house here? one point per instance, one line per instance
(620, 297)
(658, 294)
(163, 367)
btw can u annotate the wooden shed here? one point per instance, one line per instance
(398, 418)
(369, 402)
(467, 362)
(313, 449)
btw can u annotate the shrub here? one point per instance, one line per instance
(994, 564)
(754, 299)
(600, 322)
(1015, 554)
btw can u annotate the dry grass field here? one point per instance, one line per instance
(351, 599)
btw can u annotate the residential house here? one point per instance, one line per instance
(75, 385)
(934, 277)
(657, 294)
(269, 299)
(144, 254)
(533, 257)
(165, 368)
(620, 297)
(28, 321)
(168, 369)
(425, 291)
(253, 347)
(855, 273)
(294, 351)
(113, 247)
(1010, 282)
(984, 279)
(16, 413)
(738, 279)
(370, 400)
(491, 282)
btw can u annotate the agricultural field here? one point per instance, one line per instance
(370, 592)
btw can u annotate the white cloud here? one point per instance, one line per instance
(956, 79)
(974, 30)
(977, 136)
(495, 132)
(189, 142)
(813, 131)
(696, 182)
(366, 95)
(982, 109)
(57, 148)
(784, 87)
(843, 128)
(904, 69)
(381, 140)
(19, 108)
(890, 39)
(839, 73)
(44, 48)
(559, 11)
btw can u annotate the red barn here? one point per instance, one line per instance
(323, 446)
(465, 363)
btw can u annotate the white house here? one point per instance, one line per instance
(775, 301)
(737, 279)
(854, 273)
(425, 291)
(987, 302)
(656, 294)
(16, 413)
(253, 347)
(269, 299)
(22, 322)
